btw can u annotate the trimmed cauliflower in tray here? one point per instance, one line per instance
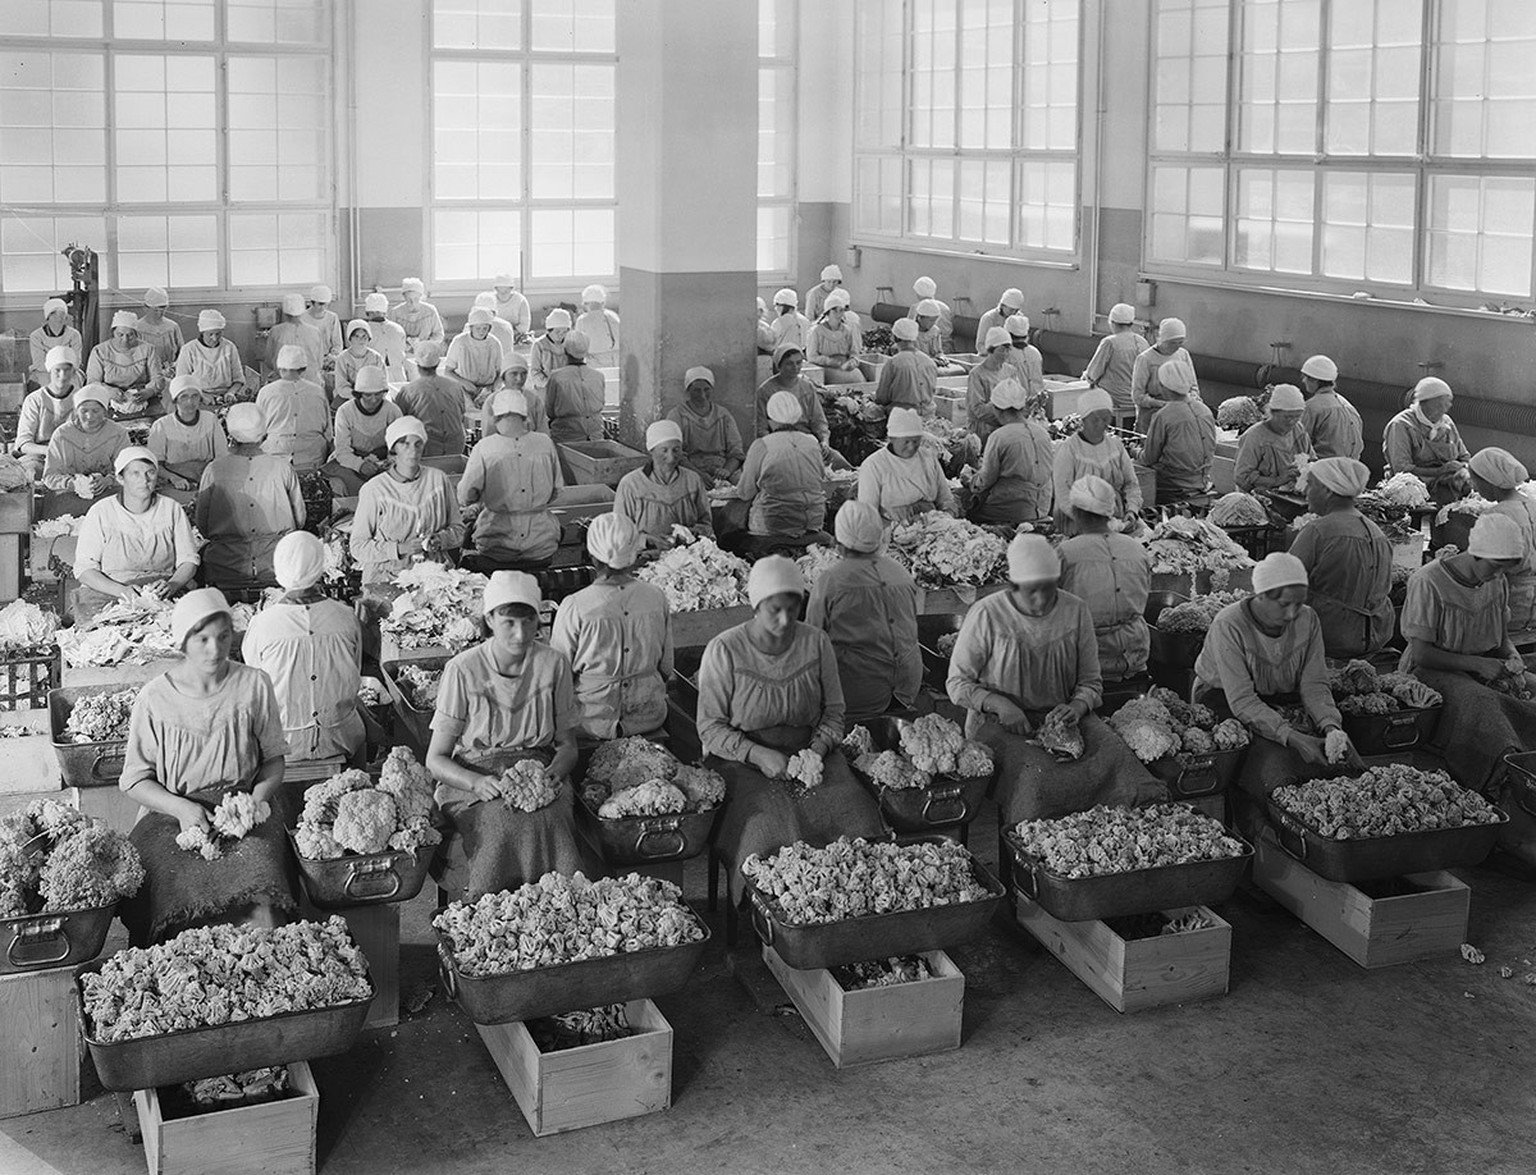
(1108, 839)
(1384, 801)
(636, 777)
(350, 813)
(53, 858)
(1160, 723)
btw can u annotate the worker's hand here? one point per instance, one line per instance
(1010, 717)
(370, 466)
(430, 544)
(83, 486)
(1489, 668)
(1312, 750)
(193, 815)
(774, 764)
(155, 590)
(850, 365)
(410, 546)
(176, 482)
(485, 788)
(1065, 714)
(1514, 663)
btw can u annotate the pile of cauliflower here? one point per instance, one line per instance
(636, 777)
(1404, 489)
(527, 786)
(1359, 689)
(1385, 801)
(1238, 509)
(561, 919)
(1239, 412)
(1106, 839)
(101, 718)
(438, 606)
(232, 820)
(53, 858)
(854, 878)
(698, 576)
(419, 684)
(350, 813)
(23, 625)
(1160, 724)
(224, 975)
(930, 746)
(1195, 615)
(882, 972)
(816, 560)
(943, 551)
(1184, 546)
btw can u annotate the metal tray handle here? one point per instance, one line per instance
(1198, 779)
(1023, 869)
(761, 923)
(943, 799)
(1291, 835)
(1408, 724)
(446, 973)
(666, 832)
(108, 765)
(361, 877)
(1527, 794)
(33, 937)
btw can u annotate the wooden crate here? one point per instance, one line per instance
(877, 1023)
(277, 1138)
(16, 511)
(30, 764)
(115, 675)
(1374, 932)
(589, 1085)
(1132, 974)
(377, 931)
(12, 565)
(696, 629)
(41, 1049)
(597, 462)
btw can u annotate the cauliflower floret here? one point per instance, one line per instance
(527, 786)
(417, 834)
(974, 760)
(858, 741)
(365, 820)
(805, 768)
(238, 813)
(198, 840)
(321, 800)
(655, 797)
(891, 769)
(1149, 741)
(315, 843)
(623, 763)
(408, 783)
(1196, 741)
(704, 788)
(1230, 735)
(91, 866)
(933, 743)
(1374, 703)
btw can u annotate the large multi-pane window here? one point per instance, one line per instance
(1377, 145)
(186, 141)
(966, 124)
(776, 38)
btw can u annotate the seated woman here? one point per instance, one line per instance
(1014, 483)
(507, 699)
(787, 364)
(82, 454)
(985, 376)
(56, 331)
(1181, 441)
(185, 440)
(600, 325)
(214, 361)
(866, 603)
(359, 450)
(834, 343)
(135, 543)
(617, 635)
(46, 409)
(246, 502)
(297, 414)
(908, 378)
(514, 377)
(438, 402)
(160, 332)
(1268, 452)
(358, 354)
(902, 479)
(405, 513)
(1497, 476)
(1347, 559)
(205, 727)
(1094, 451)
(768, 689)
(788, 326)
(575, 395)
(1423, 440)
(662, 493)
(711, 439)
(1112, 574)
(311, 648)
(783, 482)
(475, 357)
(547, 355)
(1025, 659)
(127, 365)
(514, 474)
(1260, 653)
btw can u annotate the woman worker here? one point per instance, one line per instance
(711, 439)
(405, 513)
(126, 364)
(510, 305)
(788, 362)
(1112, 574)
(1347, 559)
(1028, 658)
(312, 649)
(600, 325)
(985, 376)
(1014, 483)
(185, 440)
(1181, 444)
(514, 377)
(246, 502)
(617, 635)
(1094, 451)
(56, 331)
(361, 423)
(1026, 360)
(514, 474)
(1268, 452)
(789, 326)
(1423, 440)
(834, 343)
(866, 603)
(902, 479)
(547, 355)
(358, 354)
(136, 543)
(474, 357)
(783, 482)
(662, 493)
(1261, 652)
(817, 297)
(297, 415)
(504, 700)
(438, 402)
(82, 453)
(205, 727)
(768, 689)
(909, 377)
(46, 409)
(1497, 476)
(418, 318)
(1146, 391)
(212, 360)
(575, 395)
(160, 332)
(1114, 361)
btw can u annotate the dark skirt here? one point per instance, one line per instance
(1477, 728)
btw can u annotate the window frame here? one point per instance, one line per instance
(785, 65)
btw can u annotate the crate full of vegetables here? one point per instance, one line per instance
(924, 772)
(89, 728)
(1384, 712)
(1186, 745)
(645, 805)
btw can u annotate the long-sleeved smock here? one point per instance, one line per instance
(515, 310)
(793, 328)
(419, 322)
(245, 505)
(617, 635)
(782, 479)
(979, 413)
(711, 440)
(908, 379)
(40, 342)
(867, 606)
(1522, 580)
(515, 478)
(1015, 480)
(1266, 461)
(186, 743)
(297, 333)
(815, 301)
(656, 506)
(545, 358)
(986, 322)
(943, 326)
(327, 324)
(475, 360)
(902, 487)
(1444, 610)
(389, 341)
(165, 337)
(1333, 425)
(439, 404)
(125, 368)
(313, 654)
(832, 346)
(1036, 662)
(349, 363)
(1112, 574)
(1411, 446)
(359, 435)
(1029, 368)
(601, 326)
(1181, 445)
(575, 403)
(484, 709)
(133, 548)
(42, 414)
(764, 336)
(1113, 364)
(743, 690)
(813, 417)
(1349, 578)
(72, 450)
(1248, 665)
(391, 512)
(930, 342)
(298, 422)
(1075, 458)
(186, 449)
(1147, 391)
(216, 369)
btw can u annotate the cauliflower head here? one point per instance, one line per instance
(704, 788)
(321, 801)
(365, 820)
(623, 763)
(408, 783)
(655, 797)
(933, 743)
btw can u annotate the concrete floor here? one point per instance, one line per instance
(1311, 1064)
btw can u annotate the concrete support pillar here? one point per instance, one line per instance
(687, 185)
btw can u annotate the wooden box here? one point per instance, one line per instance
(12, 564)
(877, 1023)
(697, 629)
(115, 675)
(277, 1138)
(111, 805)
(1137, 973)
(16, 511)
(377, 931)
(597, 462)
(41, 1049)
(1427, 923)
(590, 1085)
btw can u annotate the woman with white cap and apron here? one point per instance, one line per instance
(514, 474)
(247, 501)
(501, 329)
(1027, 662)
(504, 700)
(1014, 483)
(324, 321)
(205, 727)
(137, 543)
(438, 402)
(909, 378)
(1497, 477)
(127, 365)
(185, 440)
(160, 332)
(901, 479)
(214, 361)
(790, 327)
(1094, 451)
(295, 331)
(663, 493)
(1112, 574)
(509, 304)
(388, 337)
(985, 376)
(1270, 453)
(1027, 363)
(414, 315)
(834, 343)
(768, 689)
(82, 454)
(1146, 392)
(600, 325)
(928, 305)
(358, 354)
(575, 395)
(56, 331)
(297, 415)
(617, 634)
(1331, 421)
(360, 450)
(547, 355)
(46, 408)
(514, 378)
(1114, 361)
(474, 357)
(783, 483)
(1348, 561)
(816, 297)
(1181, 443)
(711, 438)
(1011, 303)
(407, 512)
(1423, 440)
(788, 362)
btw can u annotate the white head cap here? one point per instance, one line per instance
(773, 575)
(594, 293)
(1321, 367)
(291, 358)
(94, 394)
(1176, 377)
(413, 285)
(59, 356)
(1008, 393)
(928, 308)
(903, 422)
(1017, 325)
(195, 609)
(1286, 398)
(662, 432)
(131, 454)
(694, 374)
(905, 329)
(1095, 400)
(375, 303)
(125, 320)
(1012, 299)
(1496, 536)
(1278, 570)
(837, 300)
(210, 320)
(1031, 559)
(997, 336)
(1171, 330)
(479, 316)
(1498, 467)
(246, 424)
(488, 300)
(1094, 495)
(786, 297)
(55, 306)
(370, 381)
(357, 324)
(510, 587)
(294, 304)
(858, 526)
(831, 273)
(1431, 387)
(558, 319)
(614, 540)
(321, 294)
(784, 408)
(155, 296)
(509, 402)
(923, 287)
(1122, 314)
(405, 426)
(184, 383)
(298, 561)
(502, 279)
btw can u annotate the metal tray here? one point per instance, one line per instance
(83, 764)
(1522, 779)
(1115, 895)
(874, 936)
(415, 725)
(1176, 650)
(195, 1053)
(370, 879)
(61, 938)
(1205, 775)
(1377, 857)
(947, 801)
(550, 991)
(1401, 730)
(643, 840)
